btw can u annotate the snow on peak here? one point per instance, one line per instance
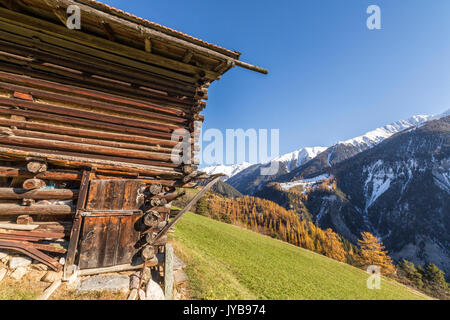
(374, 137)
(299, 157)
(229, 171)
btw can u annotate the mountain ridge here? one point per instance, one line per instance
(249, 180)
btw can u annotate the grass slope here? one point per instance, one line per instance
(227, 262)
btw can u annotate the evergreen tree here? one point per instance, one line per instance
(435, 278)
(201, 207)
(407, 270)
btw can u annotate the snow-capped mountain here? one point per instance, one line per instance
(376, 136)
(346, 149)
(287, 162)
(295, 159)
(307, 162)
(398, 190)
(229, 171)
(249, 180)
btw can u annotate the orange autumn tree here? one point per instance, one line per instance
(333, 246)
(372, 252)
(269, 218)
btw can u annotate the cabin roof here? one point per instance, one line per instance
(150, 24)
(101, 20)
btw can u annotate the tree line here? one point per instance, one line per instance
(268, 218)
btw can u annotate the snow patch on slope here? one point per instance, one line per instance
(378, 181)
(305, 183)
(441, 175)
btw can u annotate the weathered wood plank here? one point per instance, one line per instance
(168, 271)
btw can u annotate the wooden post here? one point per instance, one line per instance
(50, 290)
(76, 227)
(168, 272)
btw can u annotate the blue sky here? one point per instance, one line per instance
(330, 77)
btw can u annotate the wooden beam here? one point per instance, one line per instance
(168, 272)
(188, 56)
(13, 209)
(61, 14)
(149, 32)
(41, 194)
(148, 45)
(35, 127)
(77, 223)
(144, 114)
(50, 290)
(108, 30)
(11, 4)
(72, 161)
(99, 95)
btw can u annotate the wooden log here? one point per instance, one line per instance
(43, 94)
(36, 235)
(36, 166)
(58, 175)
(24, 220)
(86, 148)
(28, 202)
(148, 252)
(68, 159)
(166, 105)
(72, 175)
(107, 121)
(171, 196)
(78, 132)
(13, 209)
(92, 124)
(155, 188)
(133, 294)
(191, 203)
(50, 290)
(119, 268)
(160, 242)
(80, 159)
(87, 141)
(151, 218)
(21, 227)
(33, 184)
(38, 194)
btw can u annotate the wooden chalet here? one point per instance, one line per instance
(86, 123)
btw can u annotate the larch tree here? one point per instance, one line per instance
(372, 252)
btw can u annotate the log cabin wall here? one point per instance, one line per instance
(100, 103)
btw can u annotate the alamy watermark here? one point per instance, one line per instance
(235, 146)
(374, 20)
(73, 17)
(374, 280)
